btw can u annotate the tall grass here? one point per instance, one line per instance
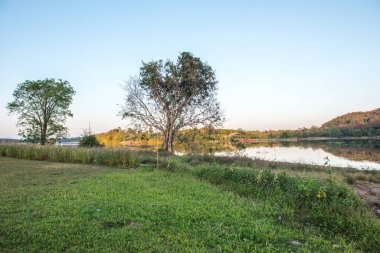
(110, 157)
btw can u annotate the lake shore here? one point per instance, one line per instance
(365, 183)
(250, 140)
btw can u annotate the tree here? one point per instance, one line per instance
(170, 96)
(42, 107)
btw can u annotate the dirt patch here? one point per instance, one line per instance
(370, 193)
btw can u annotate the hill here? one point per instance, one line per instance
(355, 120)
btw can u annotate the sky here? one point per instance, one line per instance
(279, 64)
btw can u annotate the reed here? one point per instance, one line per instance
(110, 156)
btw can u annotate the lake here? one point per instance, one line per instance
(357, 154)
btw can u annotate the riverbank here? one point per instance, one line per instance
(197, 203)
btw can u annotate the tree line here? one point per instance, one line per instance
(333, 132)
(209, 134)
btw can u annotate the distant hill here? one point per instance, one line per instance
(355, 120)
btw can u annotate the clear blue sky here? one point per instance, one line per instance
(280, 64)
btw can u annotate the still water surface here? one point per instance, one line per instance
(357, 154)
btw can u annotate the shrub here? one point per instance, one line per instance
(89, 141)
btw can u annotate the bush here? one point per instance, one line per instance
(89, 141)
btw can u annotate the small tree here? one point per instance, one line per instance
(42, 107)
(170, 96)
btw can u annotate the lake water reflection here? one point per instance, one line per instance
(358, 154)
(363, 154)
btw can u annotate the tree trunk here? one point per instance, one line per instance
(43, 134)
(165, 141)
(169, 140)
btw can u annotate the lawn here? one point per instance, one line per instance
(61, 207)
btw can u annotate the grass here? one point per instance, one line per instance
(190, 204)
(302, 201)
(98, 156)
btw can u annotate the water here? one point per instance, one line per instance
(68, 143)
(356, 154)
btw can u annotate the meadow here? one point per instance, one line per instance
(56, 199)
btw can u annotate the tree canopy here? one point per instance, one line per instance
(42, 107)
(169, 96)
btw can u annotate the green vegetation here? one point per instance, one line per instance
(89, 141)
(169, 96)
(42, 107)
(357, 124)
(117, 137)
(301, 200)
(191, 203)
(366, 124)
(110, 157)
(314, 132)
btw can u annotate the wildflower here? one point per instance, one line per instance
(321, 195)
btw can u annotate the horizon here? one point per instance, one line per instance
(264, 130)
(279, 66)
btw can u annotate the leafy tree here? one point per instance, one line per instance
(170, 96)
(42, 107)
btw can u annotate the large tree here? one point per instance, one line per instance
(170, 95)
(42, 107)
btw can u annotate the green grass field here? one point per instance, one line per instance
(61, 207)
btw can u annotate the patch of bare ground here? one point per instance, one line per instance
(370, 193)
